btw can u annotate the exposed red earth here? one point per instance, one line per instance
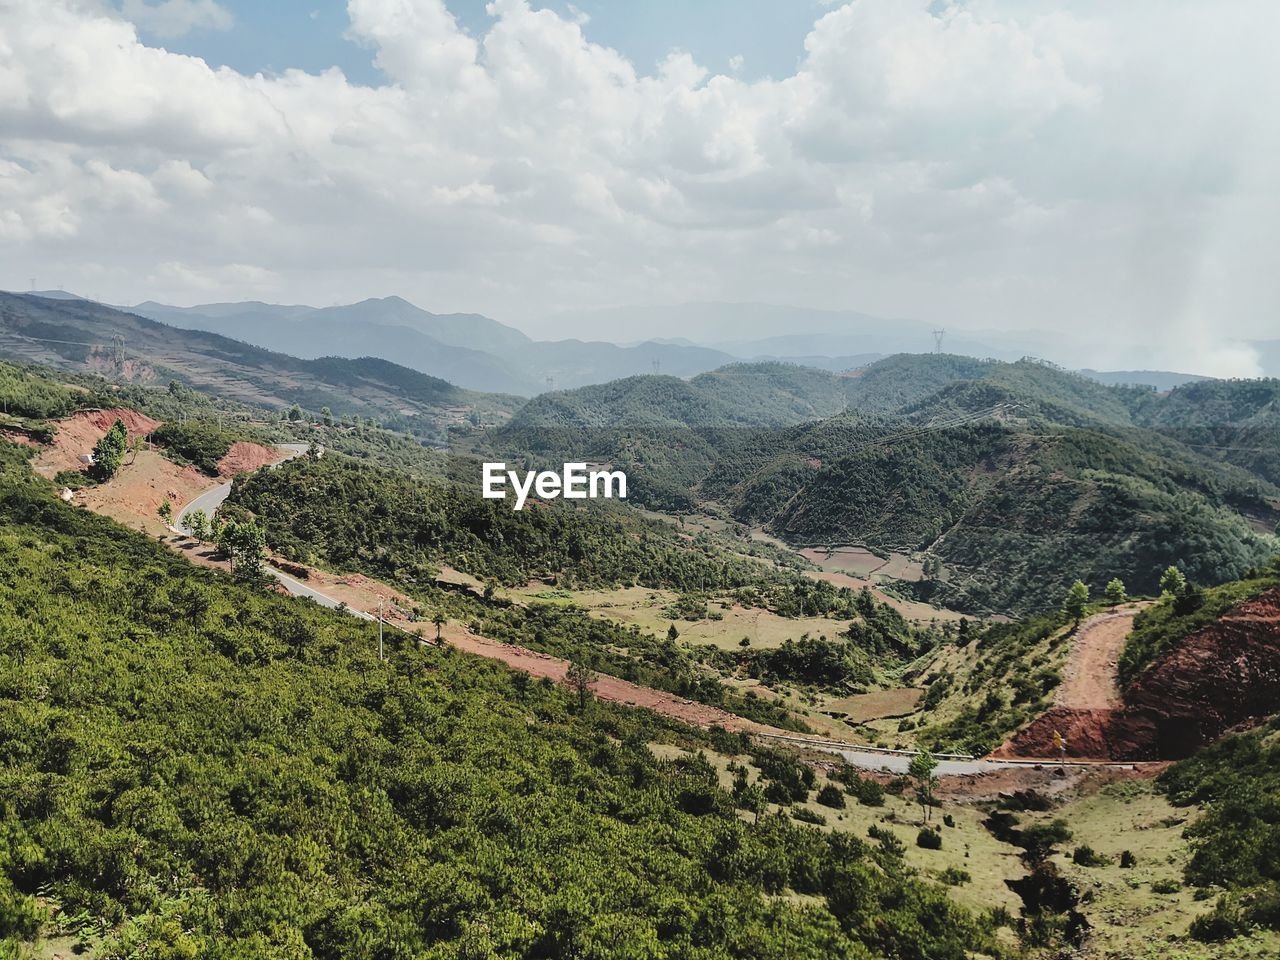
(1224, 676)
(244, 456)
(77, 434)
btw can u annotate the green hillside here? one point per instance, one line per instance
(1234, 421)
(1010, 479)
(194, 768)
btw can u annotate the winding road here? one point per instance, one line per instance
(212, 499)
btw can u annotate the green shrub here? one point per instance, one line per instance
(929, 839)
(1084, 856)
(831, 796)
(1222, 923)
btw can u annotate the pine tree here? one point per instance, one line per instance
(108, 453)
(921, 770)
(1172, 582)
(1077, 600)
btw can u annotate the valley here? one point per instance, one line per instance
(712, 618)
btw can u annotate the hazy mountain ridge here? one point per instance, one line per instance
(468, 349)
(81, 335)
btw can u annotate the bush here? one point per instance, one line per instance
(954, 876)
(73, 479)
(808, 816)
(1084, 856)
(1165, 886)
(887, 839)
(866, 792)
(929, 839)
(198, 442)
(1223, 922)
(831, 796)
(1127, 860)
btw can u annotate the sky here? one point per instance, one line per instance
(1104, 171)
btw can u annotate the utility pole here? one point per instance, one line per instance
(551, 383)
(657, 366)
(937, 340)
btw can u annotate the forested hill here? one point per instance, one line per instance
(88, 337)
(1006, 480)
(738, 395)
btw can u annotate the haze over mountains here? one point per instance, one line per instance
(479, 353)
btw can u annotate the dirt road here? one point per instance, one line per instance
(1089, 681)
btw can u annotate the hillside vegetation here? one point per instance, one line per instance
(1159, 628)
(194, 768)
(1234, 842)
(1006, 480)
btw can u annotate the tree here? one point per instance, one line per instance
(295, 413)
(326, 416)
(1115, 592)
(108, 453)
(244, 542)
(1172, 582)
(1077, 600)
(249, 545)
(198, 523)
(672, 633)
(579, 678)
(921, 769)
(439, 620)
(166, 513)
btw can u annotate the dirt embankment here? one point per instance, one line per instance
(78, 433)
(1226, 675)
(133, 496)
(1087, 698)
(244, 456)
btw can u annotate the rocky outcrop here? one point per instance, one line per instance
(1226, 675)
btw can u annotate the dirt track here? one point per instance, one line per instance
(1088, 698)
(1089, 681)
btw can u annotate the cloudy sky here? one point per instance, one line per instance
(1104, 168)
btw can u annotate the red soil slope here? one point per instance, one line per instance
(1226, 675)
(244, 456)
(78, 433)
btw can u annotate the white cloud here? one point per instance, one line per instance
(176, 18)
(994, 162)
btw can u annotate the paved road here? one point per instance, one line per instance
(949, 765)
(211, 500)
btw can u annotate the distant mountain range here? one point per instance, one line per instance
(79, 334)
(479, 353)
(1014, 478)
(467, 349)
